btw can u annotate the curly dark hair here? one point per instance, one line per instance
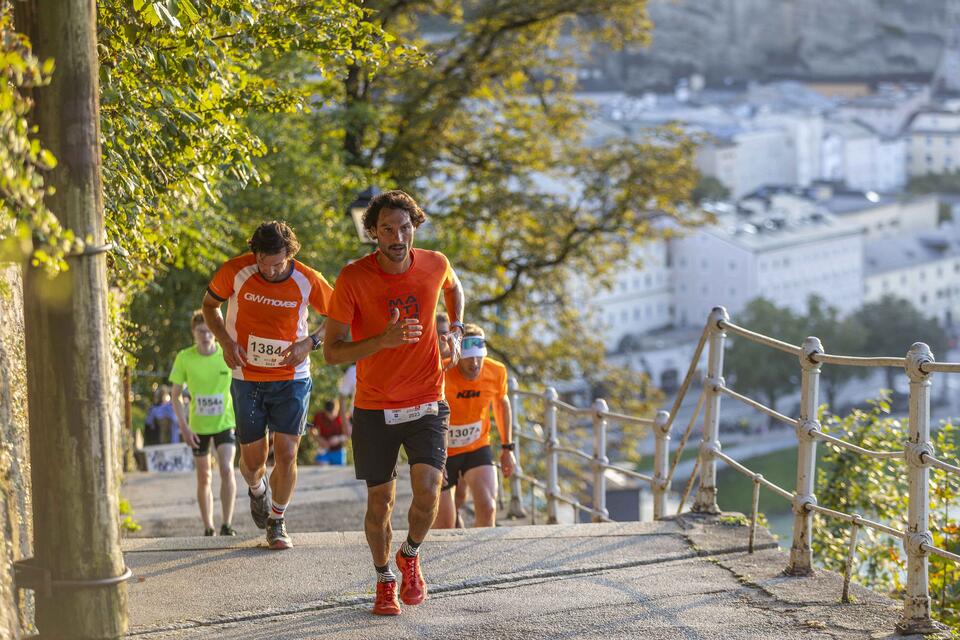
(272, 237)
(395, 199)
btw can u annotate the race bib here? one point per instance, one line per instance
(264, 352)
(462, 435)
(209, 405)
(409, 414)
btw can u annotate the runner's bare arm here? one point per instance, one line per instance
(454, 300)
(176, 399)
(339, 349)
(233, 354)
(504, 417)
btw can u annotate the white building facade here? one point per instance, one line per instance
(921, 268)
(731, 264)
(933, 143)
(641, 298)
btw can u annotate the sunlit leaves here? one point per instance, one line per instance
(877, 489)
(27, 228)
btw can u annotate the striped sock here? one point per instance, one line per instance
(409, 548)
(276, 510)
(385, 573)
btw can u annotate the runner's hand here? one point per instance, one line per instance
(234, 355)
(296, 353)
(507, 463)
(189, 437)
(400, 333)
(452, 339)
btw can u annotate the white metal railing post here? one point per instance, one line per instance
(801, 553)
(600, 460)
(516, 488)
(707, 492)
(550, 419)
(916, 606)
(661, 464)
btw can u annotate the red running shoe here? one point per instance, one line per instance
(386, 603)
(413, 590)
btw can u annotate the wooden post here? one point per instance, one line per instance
(72, 442)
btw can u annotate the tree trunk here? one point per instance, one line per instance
(72, 436)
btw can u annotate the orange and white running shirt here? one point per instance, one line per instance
(470, 402)
(265, 317)
(365, 295)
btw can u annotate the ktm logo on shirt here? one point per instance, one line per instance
(286, 304)
(408, 306)
(468, 394)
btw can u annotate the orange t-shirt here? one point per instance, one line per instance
(364, 298)
(265, 317)
(470, 402)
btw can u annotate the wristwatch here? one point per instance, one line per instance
(457, 325)
(507, 447)
(317, 342)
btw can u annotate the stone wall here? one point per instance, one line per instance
(15, 510)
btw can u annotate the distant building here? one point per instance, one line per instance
(923, 268)
(888, 109)
(933, 143)
(641, 299)
(882, 215)
(746, 159)
(776, 253)
(854, 154)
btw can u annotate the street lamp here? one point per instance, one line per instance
(358, 207)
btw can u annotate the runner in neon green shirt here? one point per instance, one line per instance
(202, 370)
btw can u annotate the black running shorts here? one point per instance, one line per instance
(224, 437)
(376, 444)
(462, 462)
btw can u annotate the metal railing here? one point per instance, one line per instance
(600, 415)
(917, 454)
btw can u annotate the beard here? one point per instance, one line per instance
(395, 252)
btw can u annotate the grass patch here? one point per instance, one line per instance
(735, 491)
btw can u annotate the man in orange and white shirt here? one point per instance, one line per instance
(267, 344)
(383, 317)
(472, 387)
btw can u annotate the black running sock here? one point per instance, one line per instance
(410, 549)
(385, 573)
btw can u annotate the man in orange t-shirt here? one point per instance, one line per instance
(266, 343)
(386, 302)
(476, 383)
